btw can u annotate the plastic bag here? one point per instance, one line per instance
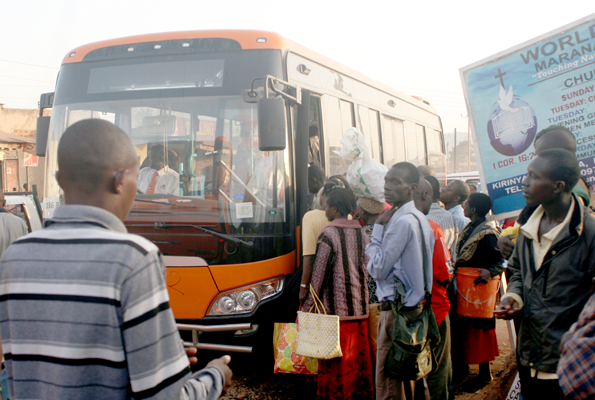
(365, 175)
(286, 360)
(354, 145)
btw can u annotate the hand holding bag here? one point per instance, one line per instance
(319, 333)
(410, 357)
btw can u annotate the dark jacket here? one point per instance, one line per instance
(554, 295)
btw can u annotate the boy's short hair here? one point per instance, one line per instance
(316, 172)
(435, 187)
(551, 128)
(461, 189)
(411, 171)
(563, 166)
(481, 202)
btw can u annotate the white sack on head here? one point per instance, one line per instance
(354, 145)
(365, 175)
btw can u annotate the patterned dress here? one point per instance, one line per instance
(368, 229)
(339, 278)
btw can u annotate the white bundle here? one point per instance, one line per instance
(365, 175)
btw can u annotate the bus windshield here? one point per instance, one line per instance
(199, 162)
(201, 170)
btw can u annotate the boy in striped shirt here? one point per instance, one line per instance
(84, 309)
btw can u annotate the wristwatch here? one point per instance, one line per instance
(304, 285)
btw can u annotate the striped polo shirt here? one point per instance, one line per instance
(84, 313)
(449, 226)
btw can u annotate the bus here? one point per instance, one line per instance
(229, 119)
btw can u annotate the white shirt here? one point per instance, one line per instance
(168, 182)
(12, 228)
(261, 183)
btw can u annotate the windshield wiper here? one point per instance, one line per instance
(165, 203)
(224, 236)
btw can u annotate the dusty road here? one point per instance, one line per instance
(252, 380)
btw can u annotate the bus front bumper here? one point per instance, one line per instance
(195, 329)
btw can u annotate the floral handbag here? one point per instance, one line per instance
(286, 360)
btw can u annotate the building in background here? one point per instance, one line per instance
(20, 169)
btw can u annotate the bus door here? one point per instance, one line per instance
(338, 117)
(316, 137)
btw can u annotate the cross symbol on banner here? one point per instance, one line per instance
(500, 75)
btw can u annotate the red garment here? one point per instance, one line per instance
(479, 345)
(350, 376)
(440, 262)
(153, 183)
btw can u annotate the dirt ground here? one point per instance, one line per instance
(497, 366)
(249, 383)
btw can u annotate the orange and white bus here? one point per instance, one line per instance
(228, 114)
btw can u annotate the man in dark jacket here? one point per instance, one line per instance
(552, 267)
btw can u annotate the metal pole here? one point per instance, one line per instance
(468, 151)
(455, 153)
(469, 144)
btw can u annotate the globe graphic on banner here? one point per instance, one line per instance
(511, 132)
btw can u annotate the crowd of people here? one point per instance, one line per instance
(546, 255)
(84, 310)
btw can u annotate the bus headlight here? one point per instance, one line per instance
(227, 304)
(245, 300)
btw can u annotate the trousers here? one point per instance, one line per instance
(390, 388)
(538, 389)
(440, 378)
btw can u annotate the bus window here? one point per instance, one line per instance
(364, 123)
(338, 117)
(434, 142)
(388, 141)
(399, 130)
(420, 134)
(411, 138)
(375, 135)
(346, 115)
(369, 125)
(393, 140)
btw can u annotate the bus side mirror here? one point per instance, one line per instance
(46, 100)
(41, 141)
(272, 124)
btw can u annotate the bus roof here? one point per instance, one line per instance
(248, 40)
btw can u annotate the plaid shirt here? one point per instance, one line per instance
(576, 368)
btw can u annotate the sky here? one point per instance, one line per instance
(416, 47)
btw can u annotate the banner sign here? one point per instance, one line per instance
(512, 95)
(30, 160)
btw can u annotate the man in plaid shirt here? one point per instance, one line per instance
(576, 368)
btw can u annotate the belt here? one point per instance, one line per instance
(388, 306)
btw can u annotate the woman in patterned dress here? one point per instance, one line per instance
(339, 278)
